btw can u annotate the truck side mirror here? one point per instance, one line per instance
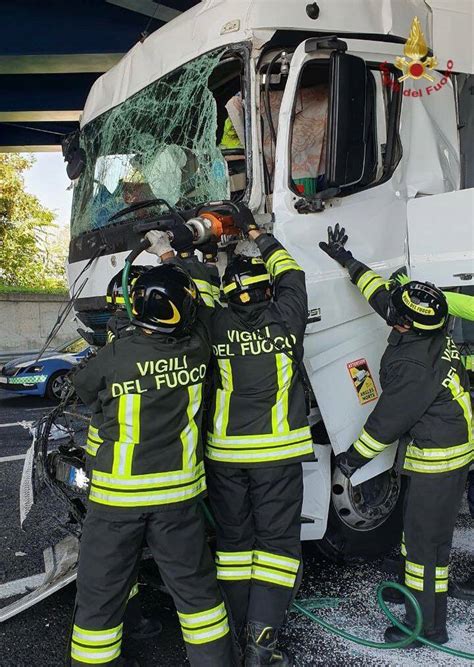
(347, 118)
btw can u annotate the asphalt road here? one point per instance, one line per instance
(39, 635)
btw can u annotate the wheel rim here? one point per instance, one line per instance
(352, 507)
(57, 386)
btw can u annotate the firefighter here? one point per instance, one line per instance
(425, 405)
(461, 306)
(136, 625)
(148, 475)
(258, 434)
(258, 437)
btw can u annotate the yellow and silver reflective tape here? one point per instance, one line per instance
(266, 558)
(205, 626)
(415, 568)
(284, 369)
(280, 262)
(462, 397)
(260, 456)
(223, 396)
(129, 434)
(133, 591)
(190, 434)
(369, 282)
(442, 572)
(144, 499)
(403, 549)
(234, 565)
(96, 646)
(441, 586)
(206, 291)
(413, 582)
(427, 466)
(140, 482)
(268, 439)
(246, 282)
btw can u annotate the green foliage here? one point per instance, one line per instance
(29, 257)
(12, 289)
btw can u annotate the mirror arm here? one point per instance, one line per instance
(315, 204)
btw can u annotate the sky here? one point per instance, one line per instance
(47, 179)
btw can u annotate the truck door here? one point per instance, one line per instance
(336, 158)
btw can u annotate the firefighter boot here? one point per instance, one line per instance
(462, 590)
(394, 634)
(146, 628)
(262, 647)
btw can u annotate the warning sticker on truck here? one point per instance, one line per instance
(363, 381)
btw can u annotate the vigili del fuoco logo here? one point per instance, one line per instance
(415, 65)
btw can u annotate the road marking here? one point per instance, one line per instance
(16, 457)
(20, 586)
(23, 424)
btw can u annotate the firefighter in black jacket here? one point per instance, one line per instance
(258, 433)
(258, 437)
(135, 624)
(149, 475)
(426, 406)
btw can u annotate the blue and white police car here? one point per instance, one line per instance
(28, 377)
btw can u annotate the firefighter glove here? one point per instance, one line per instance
(350, 461)
(337, 239)
(209, 251)
(159, 243)
(244, 219)
(182, 238)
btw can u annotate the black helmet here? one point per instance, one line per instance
(422, 306)
(246, 280)
(114, 298)
(165, 299)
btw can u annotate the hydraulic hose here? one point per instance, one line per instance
(412, 634)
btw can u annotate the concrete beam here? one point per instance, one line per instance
(78, 63)
(39, 116)
(149, 8)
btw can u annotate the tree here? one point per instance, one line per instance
(23, 220)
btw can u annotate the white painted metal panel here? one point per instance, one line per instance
(441, 238)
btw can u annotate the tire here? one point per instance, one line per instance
(55, 384)
(356, 530)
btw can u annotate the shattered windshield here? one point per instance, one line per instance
(163, 142)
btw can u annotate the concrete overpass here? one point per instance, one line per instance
(52, 52)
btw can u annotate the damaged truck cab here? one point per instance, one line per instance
(312, 113)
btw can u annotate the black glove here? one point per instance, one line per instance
(350, 461)
(335, 246)
(209, 251)
(244, 219)
(181, 238)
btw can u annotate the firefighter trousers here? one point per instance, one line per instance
(258, 557)
(109, 557)
(431, 507)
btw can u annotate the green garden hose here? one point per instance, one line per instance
(412, 634)
(126, 298)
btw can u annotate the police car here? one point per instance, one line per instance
(28, 377)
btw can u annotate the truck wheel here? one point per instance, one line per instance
(358, 530)
(55, 385)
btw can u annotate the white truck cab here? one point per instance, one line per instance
(312, 113)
